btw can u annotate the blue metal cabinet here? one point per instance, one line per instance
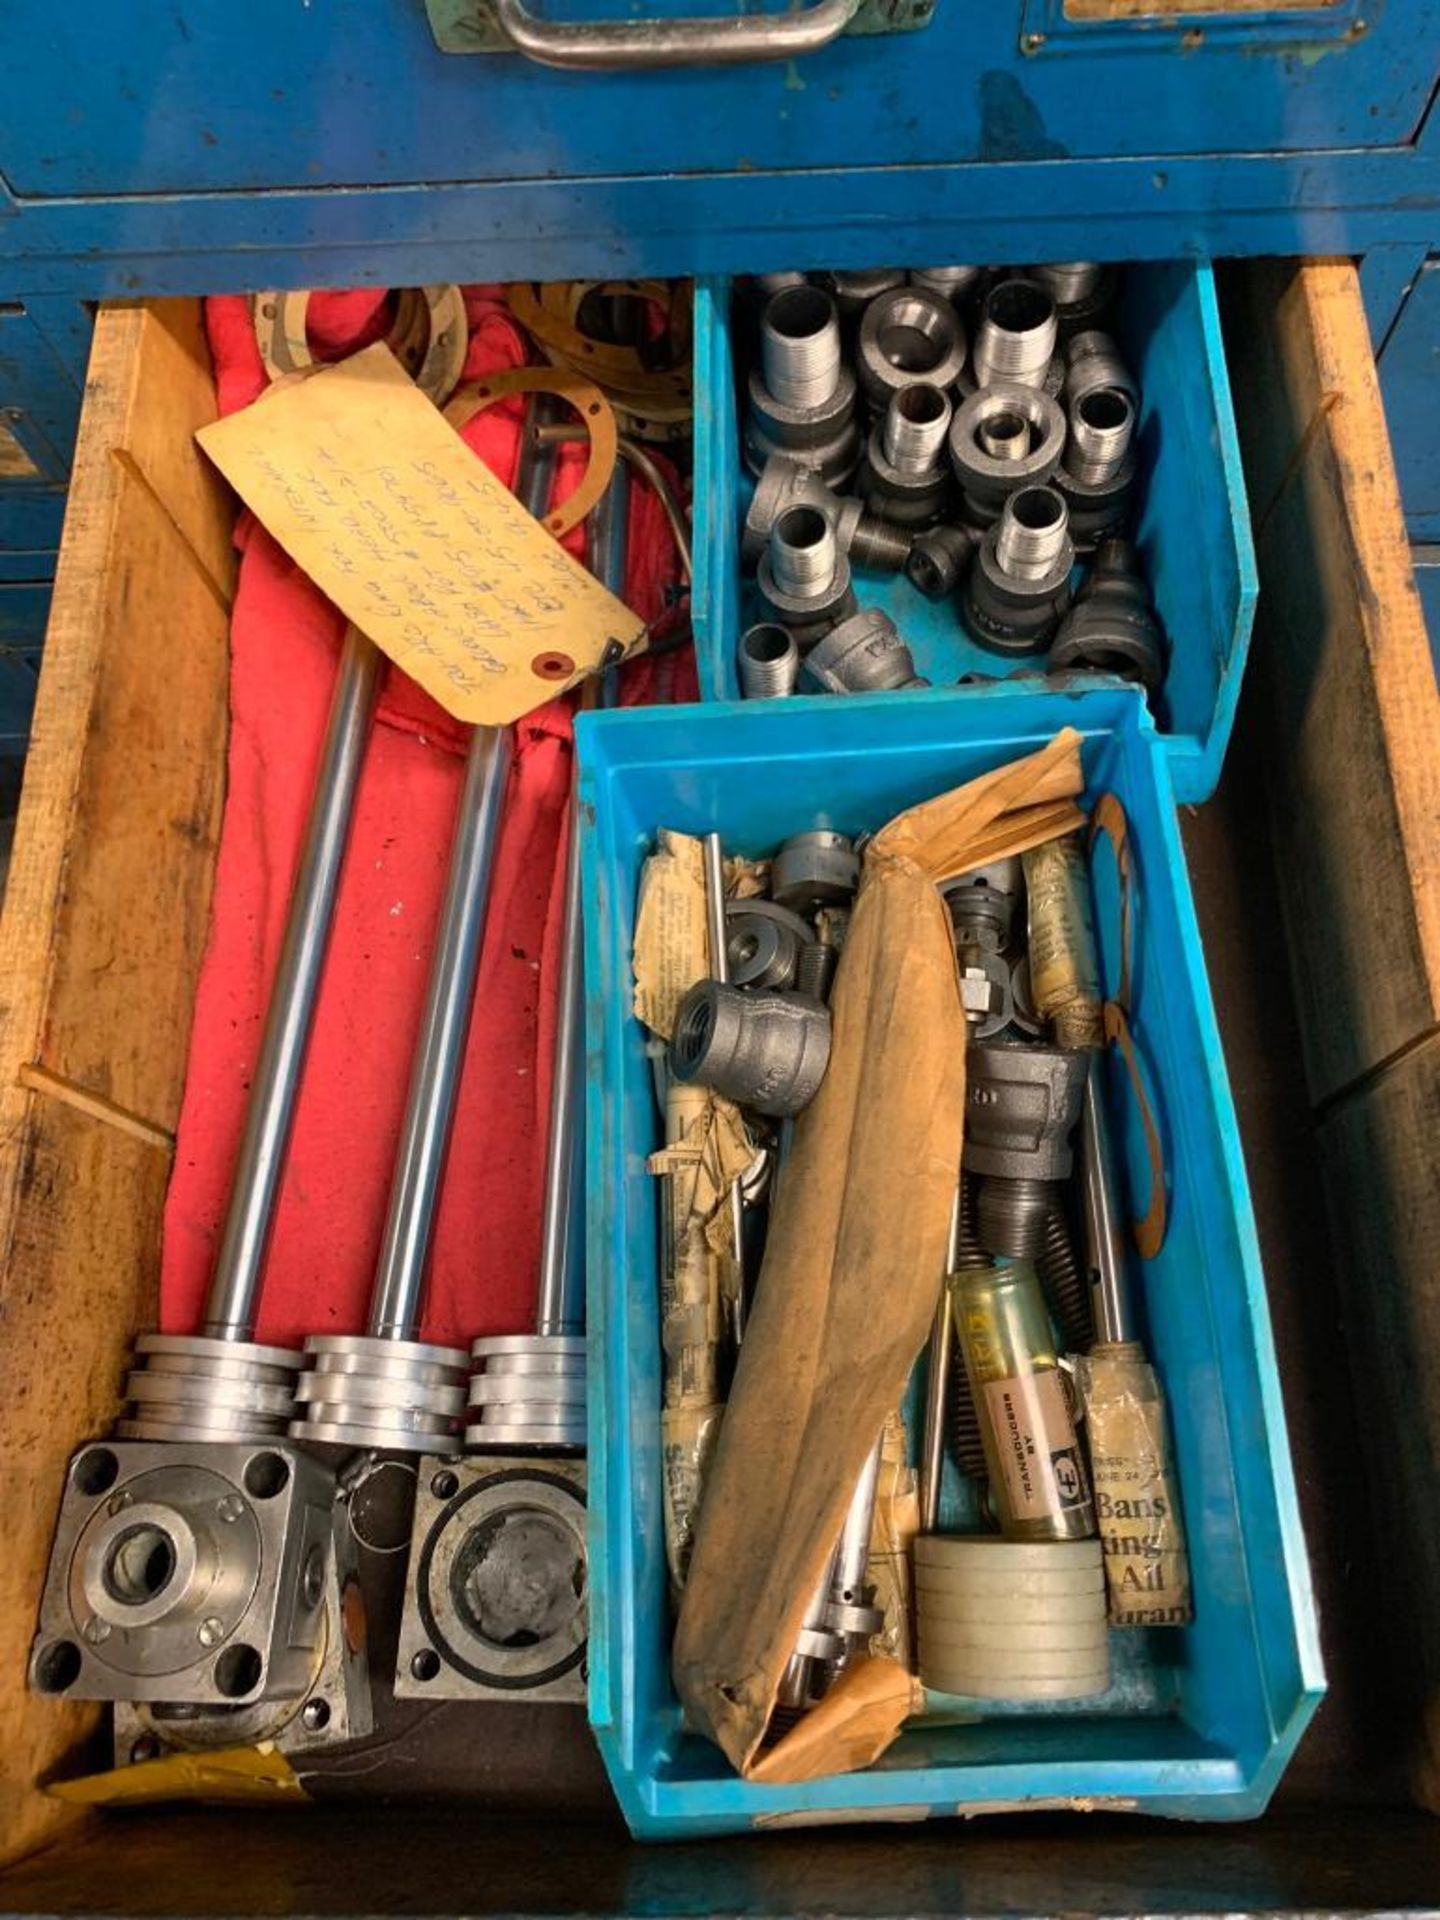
(42, 349)
(169, 147)
(1409, 362)
(167, 98)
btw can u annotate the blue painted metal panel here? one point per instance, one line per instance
(39, 397)
(24, 609)
(1387, 276)
(1193, 525)
(31, 519)
(19, 676)
(1410, 383)
(1227, 1700)
(159, 97)
(850, 215)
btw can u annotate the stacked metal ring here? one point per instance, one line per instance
(358, 1390)
(528, 1392)
(191, 1387)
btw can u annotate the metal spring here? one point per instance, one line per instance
(962, 1420)
(1067, 1290)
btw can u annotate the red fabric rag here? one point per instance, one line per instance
(285, 639)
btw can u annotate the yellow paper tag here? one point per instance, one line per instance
(225, 1773)
(375, 495)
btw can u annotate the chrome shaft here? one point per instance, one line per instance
(232, 1303)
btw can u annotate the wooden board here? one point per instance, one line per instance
(1341, 649)
(1348, 689)
(105, 921)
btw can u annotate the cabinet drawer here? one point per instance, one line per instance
(104, 929)
(185, 100)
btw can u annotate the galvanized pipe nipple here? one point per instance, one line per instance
(769, 661)
(916, 423)
(1032, 533)
(800, 346)
(1102, 422)
(803, 552)
(1017, 335)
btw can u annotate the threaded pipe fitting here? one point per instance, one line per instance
(870, 542)
(800, 346)
(1093, 360)
(1102, 423)
(771, 283)
(769, 661)
(916, 423)
(1017, 335)
(803, 552)
(1070, 281)
(951, 282)
(938, 559)
(1032, 533)
(1012, 1216)
(764, 1050)
(1003, 435)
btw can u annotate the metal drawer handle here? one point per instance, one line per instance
(631, 46)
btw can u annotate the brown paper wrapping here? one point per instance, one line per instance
(1137, 1509)
(847, 1290)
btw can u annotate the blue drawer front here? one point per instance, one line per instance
(157, 98)
(1225, 1702)
(39, 402)
(1410, 383)
(1193, 529)
(24, 609)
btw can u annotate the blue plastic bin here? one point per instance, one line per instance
(1193, 532)
(1200, 1723)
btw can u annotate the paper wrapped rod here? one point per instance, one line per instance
(846, 1293)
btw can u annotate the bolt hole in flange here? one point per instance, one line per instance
(445, 1484)
(315, 1715)
(96, 1471)
(58, 1666)
(266, 1474)
(425, 1665)
(238, 1671)
(140, 1565)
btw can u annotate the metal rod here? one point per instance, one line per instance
(852, 1555)
(234, 1295)
(560, 1303)
(560, 1307)
(440, 1052)
(715, 908)
(714, 857)
(1105, 1247)
(563, 434)
(609, 545)
(942, 1334)
(439, 1055)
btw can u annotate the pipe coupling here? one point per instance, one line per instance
(765, 1051)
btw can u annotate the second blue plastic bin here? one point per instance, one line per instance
(1193, 527)
(1200, 1723)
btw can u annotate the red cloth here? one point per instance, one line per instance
(285, 638)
